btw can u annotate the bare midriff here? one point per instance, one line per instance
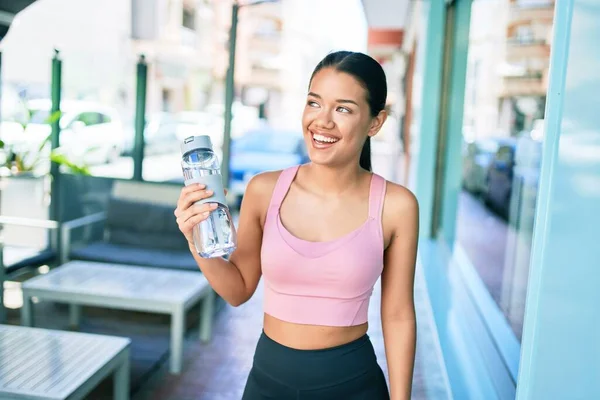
(310, 337)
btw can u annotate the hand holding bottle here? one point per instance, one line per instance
(188, 213)
(212, 232)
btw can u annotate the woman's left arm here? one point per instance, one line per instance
(401, 217)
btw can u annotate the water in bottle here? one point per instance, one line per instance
(215, 236)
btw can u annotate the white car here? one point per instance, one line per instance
(90, 132)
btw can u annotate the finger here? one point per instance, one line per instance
(183, 215)
(187, 190)
(226, 192)
(195, 220)
(198, 209)
(191, 188)
(193, 197)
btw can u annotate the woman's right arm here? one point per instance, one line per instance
(236, 279)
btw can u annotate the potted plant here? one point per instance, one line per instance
(20, 162)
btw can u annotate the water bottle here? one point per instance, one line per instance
(215, 236)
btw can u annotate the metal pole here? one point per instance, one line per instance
(2, 268)
(55, 114)
(140, 117)
(1, 84)
(229, 93)
(55, 92)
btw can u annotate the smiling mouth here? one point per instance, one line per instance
(322, 140)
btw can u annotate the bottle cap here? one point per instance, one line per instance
(196, 142)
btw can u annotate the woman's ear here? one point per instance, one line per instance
(377, 123)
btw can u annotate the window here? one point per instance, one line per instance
(105, 119)
(501, 158)
(90, 118)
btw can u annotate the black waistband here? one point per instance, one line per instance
(314, 368)
(356, 343)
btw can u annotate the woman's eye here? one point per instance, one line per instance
(343, 110)
(312, 103)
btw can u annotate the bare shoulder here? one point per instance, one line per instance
(400, 200)
(262, 184)
(400, 212)
(258, 194)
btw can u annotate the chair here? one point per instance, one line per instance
(138, 228)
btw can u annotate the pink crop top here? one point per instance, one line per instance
(321, 283)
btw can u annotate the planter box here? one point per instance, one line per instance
(25, 196)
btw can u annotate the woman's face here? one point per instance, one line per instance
(337, 118)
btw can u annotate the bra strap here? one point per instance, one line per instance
(376, 197)
(283, 185)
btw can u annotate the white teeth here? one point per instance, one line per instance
(325, 139)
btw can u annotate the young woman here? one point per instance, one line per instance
(321, 235)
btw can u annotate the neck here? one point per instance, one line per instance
(334, 180)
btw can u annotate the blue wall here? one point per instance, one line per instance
(560, 353)
(427, 83)
(456, 100)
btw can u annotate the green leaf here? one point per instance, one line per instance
(62, 159)
(54, 117)
(44, 142)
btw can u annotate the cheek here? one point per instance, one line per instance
(351, 129)
(307, 117)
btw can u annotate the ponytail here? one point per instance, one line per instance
(365, 155)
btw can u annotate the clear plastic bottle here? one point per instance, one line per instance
(215, 236)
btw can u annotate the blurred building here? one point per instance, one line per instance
(486, 57)
(525, 75)
(100, 42)
(386, 34)
(259, 43)
(278, 46)
(176, 36)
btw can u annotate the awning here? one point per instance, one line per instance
(386, 14)
(386, 20)
(8, 10)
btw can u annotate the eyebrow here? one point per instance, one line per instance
(338, 100)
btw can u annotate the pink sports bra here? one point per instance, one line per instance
(321, 283)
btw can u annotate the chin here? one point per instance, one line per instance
(323, 160)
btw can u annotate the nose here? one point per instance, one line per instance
(324, 120)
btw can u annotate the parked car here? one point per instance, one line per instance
(89, 131)
(164, 131)
(526, 177)
(500, 176)
(244, 119)
(160, 135)
(477, 158)
(193, 123)
(263, 149)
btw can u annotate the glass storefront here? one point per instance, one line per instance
(506, 85)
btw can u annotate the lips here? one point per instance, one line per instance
(322, 141)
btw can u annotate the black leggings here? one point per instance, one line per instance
(346, 372)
